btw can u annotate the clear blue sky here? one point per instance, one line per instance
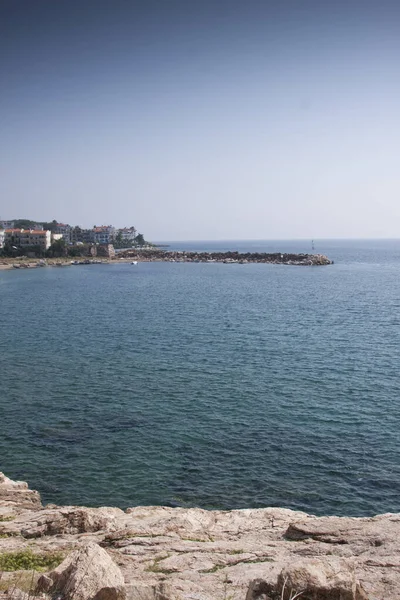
(200, 119)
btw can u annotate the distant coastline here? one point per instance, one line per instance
(277, 258)
(159, 255)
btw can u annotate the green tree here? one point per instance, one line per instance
(51, 225)
(24, 224)
(9, 250)
(139, 240)
(57, 249)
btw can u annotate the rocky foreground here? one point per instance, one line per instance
(153, 552)
(275, 258)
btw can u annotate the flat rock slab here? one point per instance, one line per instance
(207, 555)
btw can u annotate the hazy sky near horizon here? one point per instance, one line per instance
(200, 119)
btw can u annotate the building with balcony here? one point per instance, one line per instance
(128, 234)
(26, 238)
(64, 230)
(104, 234)
(82, 236)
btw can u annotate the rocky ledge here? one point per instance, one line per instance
(154, 552)
(275, 258)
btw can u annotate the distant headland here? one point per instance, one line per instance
(22, 239)
(52, 239)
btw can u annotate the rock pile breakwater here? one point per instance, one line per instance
(276, 258)
(161, 553)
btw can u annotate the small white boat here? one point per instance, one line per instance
(134, 262)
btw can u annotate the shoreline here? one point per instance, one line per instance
(210, 555)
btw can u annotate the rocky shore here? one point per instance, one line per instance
(7, 264)
(157, 255)
(275, 258)
(159, 553)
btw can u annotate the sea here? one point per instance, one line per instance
(221, 386)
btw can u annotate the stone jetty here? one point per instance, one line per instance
(275, 258)
(161, 553)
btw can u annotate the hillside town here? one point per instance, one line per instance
(23, 236)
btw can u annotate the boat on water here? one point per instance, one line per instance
(134, 262)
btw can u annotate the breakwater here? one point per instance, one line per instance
(276, 258)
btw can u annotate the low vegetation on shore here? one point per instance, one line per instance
(28, 560)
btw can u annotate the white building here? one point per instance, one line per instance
(24, 238)
(104, 234)
(56, 237)
(82, 236)
(127, 233)
(2, 235)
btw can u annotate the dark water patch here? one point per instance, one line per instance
(122, 423)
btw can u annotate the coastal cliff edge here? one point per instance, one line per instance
(194, 554)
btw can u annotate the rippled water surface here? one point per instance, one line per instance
(221, 386)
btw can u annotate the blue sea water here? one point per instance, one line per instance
(212, 385)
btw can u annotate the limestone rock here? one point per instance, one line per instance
(193, 554)
(317, 579)
(148, 592)
(259, 589)
(329, 578)
(17, 493)
(345, 530)
(86, 574)
(70, 520)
